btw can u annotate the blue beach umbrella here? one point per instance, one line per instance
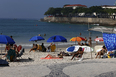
(57, 38)
(6, 39)
(36, 38)
(70, 49)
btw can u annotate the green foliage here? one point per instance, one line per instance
(69, 10)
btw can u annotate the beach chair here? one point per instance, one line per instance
(79, 56)
(19, 48)
(21, 53)
(98, 48)
(39, 47)
(53, 47)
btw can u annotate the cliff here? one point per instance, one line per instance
(81, 20)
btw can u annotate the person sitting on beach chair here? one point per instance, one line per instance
(49, 47)
(39, 47)
(35, 46)
(11, 54)
(79, 53)
(43, 48)
(101, 52)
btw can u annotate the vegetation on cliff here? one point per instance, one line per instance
(74, 12)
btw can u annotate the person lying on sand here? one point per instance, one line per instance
(101, 52)
(51, 56)
(79, 52)
(64, 54)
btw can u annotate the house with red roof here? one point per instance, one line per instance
(109, 6)
(74, 6)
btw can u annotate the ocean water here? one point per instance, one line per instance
(23, 29)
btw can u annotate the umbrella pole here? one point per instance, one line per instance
(91, 52)
(1, 49)
(57, 47)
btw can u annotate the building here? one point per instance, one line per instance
(74, 6)
(109, 6)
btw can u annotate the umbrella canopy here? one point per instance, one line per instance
(36, 38)
(99, 39)
(57, 38)
(77, 39)
(6, 39)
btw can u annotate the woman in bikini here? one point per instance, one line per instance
(35, 46)
(79, 52)
(101, 52)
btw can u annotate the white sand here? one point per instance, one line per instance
(35, 56)
(87, 65)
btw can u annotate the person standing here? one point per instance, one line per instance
(85, 40)
(90, 42)
(12, 39)
(96, 41)
(43, 48)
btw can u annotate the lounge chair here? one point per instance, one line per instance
(21, 53)
(98, 48)
(53, 47)
(19, 48)
(39, 47)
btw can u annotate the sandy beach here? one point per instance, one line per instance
(36, 67)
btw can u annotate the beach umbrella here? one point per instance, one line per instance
(36, 38)
(57, 38)
(77, 39)
(6, 39)
(99, 39)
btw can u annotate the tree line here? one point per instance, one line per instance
(69, 11)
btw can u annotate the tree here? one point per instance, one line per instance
(70, 10)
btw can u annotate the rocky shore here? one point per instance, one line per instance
(81, 20)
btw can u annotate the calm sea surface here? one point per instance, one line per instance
(22, 30)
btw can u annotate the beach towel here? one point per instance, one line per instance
(51, 58)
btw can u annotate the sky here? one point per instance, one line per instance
(35, 9)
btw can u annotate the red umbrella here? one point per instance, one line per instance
(99, 39)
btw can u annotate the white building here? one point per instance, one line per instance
(74, 6)
(109, 6)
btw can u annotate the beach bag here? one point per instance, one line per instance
(115, 54)
(3, 63)
(109, 56)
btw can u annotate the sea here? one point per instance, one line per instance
(23, 29)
